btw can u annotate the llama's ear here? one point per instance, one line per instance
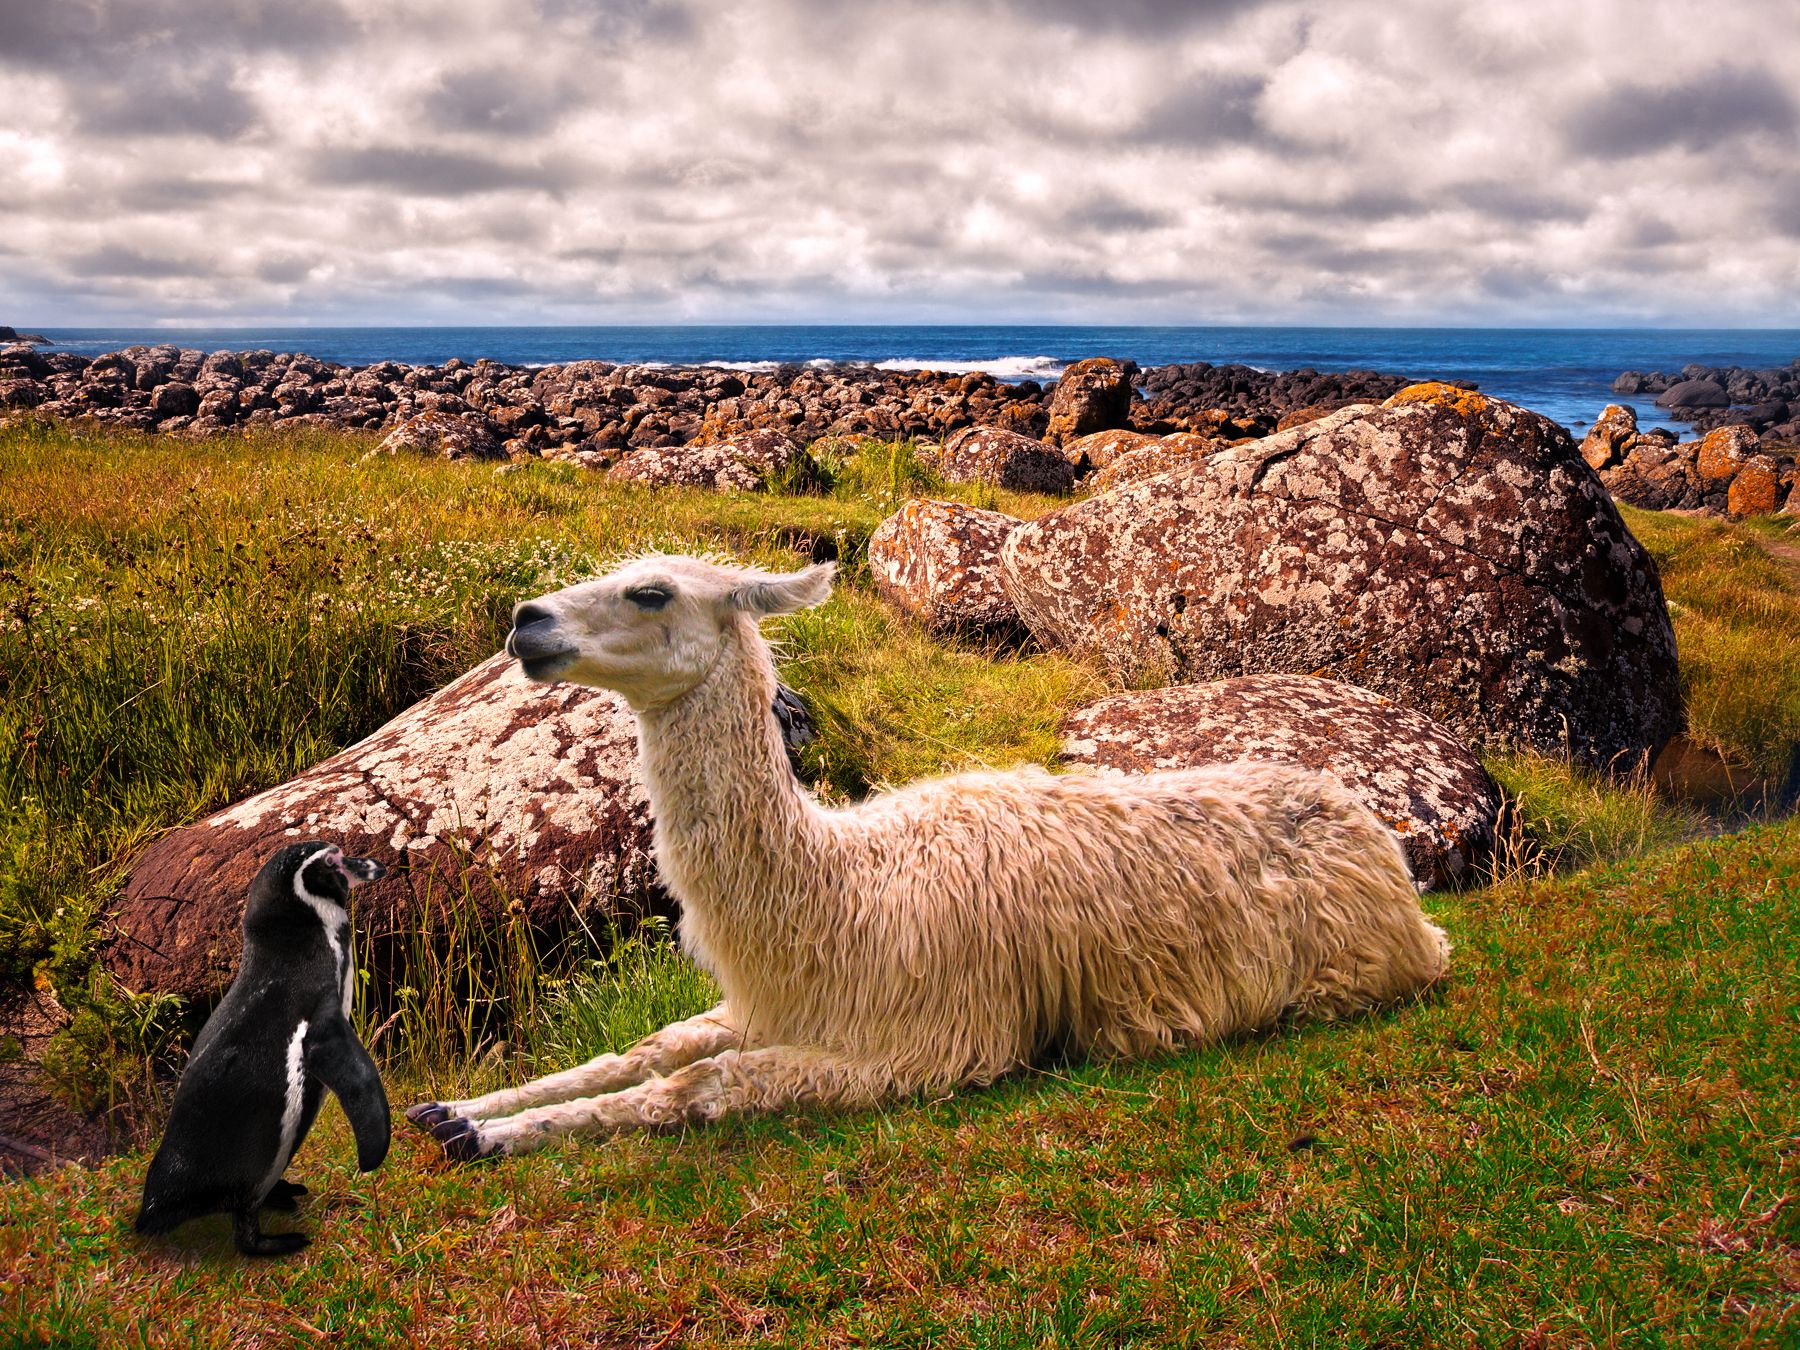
(784, 594)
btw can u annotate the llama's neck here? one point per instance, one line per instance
(731, 820)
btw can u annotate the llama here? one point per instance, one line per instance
(947, 932)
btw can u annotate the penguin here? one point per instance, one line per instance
(262, 1063)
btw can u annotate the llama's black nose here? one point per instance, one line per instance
(528, 612)
(534, 636)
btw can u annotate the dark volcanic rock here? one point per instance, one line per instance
(1694, 394)
(1448, 551)
(492, 790)
(1412, 773)
(940, 561)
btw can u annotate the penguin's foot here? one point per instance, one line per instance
(282, 1196)
(247, 1233)
(428, 1115)
(461, 1140)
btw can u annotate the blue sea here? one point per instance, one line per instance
(1563, 373)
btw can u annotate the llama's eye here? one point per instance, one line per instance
(649, 597)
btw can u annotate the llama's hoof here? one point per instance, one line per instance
(428, 1115)
(460, 1139)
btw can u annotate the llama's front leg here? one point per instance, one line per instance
(661, 1052)
(706, 1090)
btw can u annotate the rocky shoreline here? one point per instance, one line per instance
(596, 408)
(628, 419)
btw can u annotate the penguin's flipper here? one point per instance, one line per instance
(337, 1059)
(247, 1233)
(282, 1196)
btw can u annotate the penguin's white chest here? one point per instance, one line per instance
(336, 923)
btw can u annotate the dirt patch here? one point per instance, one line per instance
(36, 1130)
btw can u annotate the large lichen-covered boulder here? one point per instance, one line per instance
(1446, 550)
(744, 462)
(1092, 395)
(493, 791)
(446, 435)
(1415, 775)
(940, 562)
(1002, 458)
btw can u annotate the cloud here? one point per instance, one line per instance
(430, 173)
(1696, 113)
(646, 161)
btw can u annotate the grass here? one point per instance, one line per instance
(1737, 623)
(185, 623)
(1583, 1139)
(1586, 1138)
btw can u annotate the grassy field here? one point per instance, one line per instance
(1588, 1137)
(1585, 1138)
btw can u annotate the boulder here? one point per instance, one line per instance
(1092, 395)
(21, 393)
(1449, 551)
(741, 463)
(492, 790)
(174, 399)
(1103, 447)
(1163, 455)
(1722, 453)
(940, 562)
(1004, 459)
(1694, 394)
(21, 362)
(443, 434)
(1299, 417)
(1417, 776)
(1757, 489)
(1610, 437)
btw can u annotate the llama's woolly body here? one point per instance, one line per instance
(950, 931)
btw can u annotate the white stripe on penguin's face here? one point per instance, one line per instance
(290, 1111)
(334, 918)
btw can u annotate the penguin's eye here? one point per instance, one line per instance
(649, 598)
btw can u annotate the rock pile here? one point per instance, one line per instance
(1767, 401)
(1731, 472)
(1179, 398)
(594, 413)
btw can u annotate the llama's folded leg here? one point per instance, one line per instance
(661, 1052)
(757, 1080)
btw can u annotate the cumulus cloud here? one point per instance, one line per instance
(1160, 161)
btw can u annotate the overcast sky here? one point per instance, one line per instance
(1120, 161)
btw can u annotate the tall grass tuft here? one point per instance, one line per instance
(1736, 613)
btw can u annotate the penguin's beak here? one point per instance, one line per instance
(363, 869)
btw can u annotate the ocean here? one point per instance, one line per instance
(1564, 373)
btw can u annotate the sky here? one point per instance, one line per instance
(1406, 162)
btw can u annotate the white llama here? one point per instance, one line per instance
(947, 932)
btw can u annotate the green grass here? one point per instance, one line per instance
(183, 624)
(1587, 1137)
(1737, 624)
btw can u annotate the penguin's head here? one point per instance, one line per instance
(313, 873)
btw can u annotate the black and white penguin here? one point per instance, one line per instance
(261, 1066)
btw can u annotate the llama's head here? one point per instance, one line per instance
(655, 627)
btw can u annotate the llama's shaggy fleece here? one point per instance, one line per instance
(952, 930)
